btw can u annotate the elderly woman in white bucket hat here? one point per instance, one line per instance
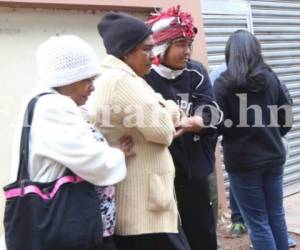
(61, 137)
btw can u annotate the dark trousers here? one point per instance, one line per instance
(259, 195)
(196, 214)
(156, 241)
(236, 216)
(106, 244)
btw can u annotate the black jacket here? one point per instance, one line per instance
(193, 154)
(249, 147)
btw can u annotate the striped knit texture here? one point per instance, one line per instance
(145, 199)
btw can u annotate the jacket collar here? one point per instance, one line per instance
(112, 62)
(166, 72)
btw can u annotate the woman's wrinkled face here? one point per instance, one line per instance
(140, 58)
(178, 53)
(80, 91)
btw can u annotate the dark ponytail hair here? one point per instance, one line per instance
(245, 64)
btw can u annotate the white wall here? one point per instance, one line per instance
(21, 32)
(238, 7)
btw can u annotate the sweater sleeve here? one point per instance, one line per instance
(219, 94)
(285, 112)
(143, 110)
(204, 102)
(60, 133)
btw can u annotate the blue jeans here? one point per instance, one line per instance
(259, 195)
(236, 216)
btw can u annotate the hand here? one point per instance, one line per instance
(189, 124)
(126, 144)
(179, 132)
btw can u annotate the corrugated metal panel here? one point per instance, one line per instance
(218, 28)
(276, 23)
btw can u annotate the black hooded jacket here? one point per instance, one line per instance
(193, 153)
(254, 139)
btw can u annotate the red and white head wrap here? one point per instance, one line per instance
(167, 26)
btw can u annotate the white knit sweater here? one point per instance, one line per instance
(145, 199)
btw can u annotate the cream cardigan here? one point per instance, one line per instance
(145, 199)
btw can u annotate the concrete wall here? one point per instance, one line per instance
(21, 32)
(237, 7)
(25, 24)
(191, 6)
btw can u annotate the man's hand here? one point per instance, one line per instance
(189, 124)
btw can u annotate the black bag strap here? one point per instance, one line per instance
(24, 144)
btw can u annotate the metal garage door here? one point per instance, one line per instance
(217, 30)
(277, 26)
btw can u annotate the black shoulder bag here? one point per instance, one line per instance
(60, 215)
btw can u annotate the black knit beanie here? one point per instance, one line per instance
(121, 33)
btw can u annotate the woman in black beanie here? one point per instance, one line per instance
(147, 216)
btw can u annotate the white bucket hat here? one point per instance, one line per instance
(63, 60)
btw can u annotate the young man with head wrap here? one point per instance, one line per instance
(186, 81)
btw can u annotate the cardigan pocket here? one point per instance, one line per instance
(161, 195)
